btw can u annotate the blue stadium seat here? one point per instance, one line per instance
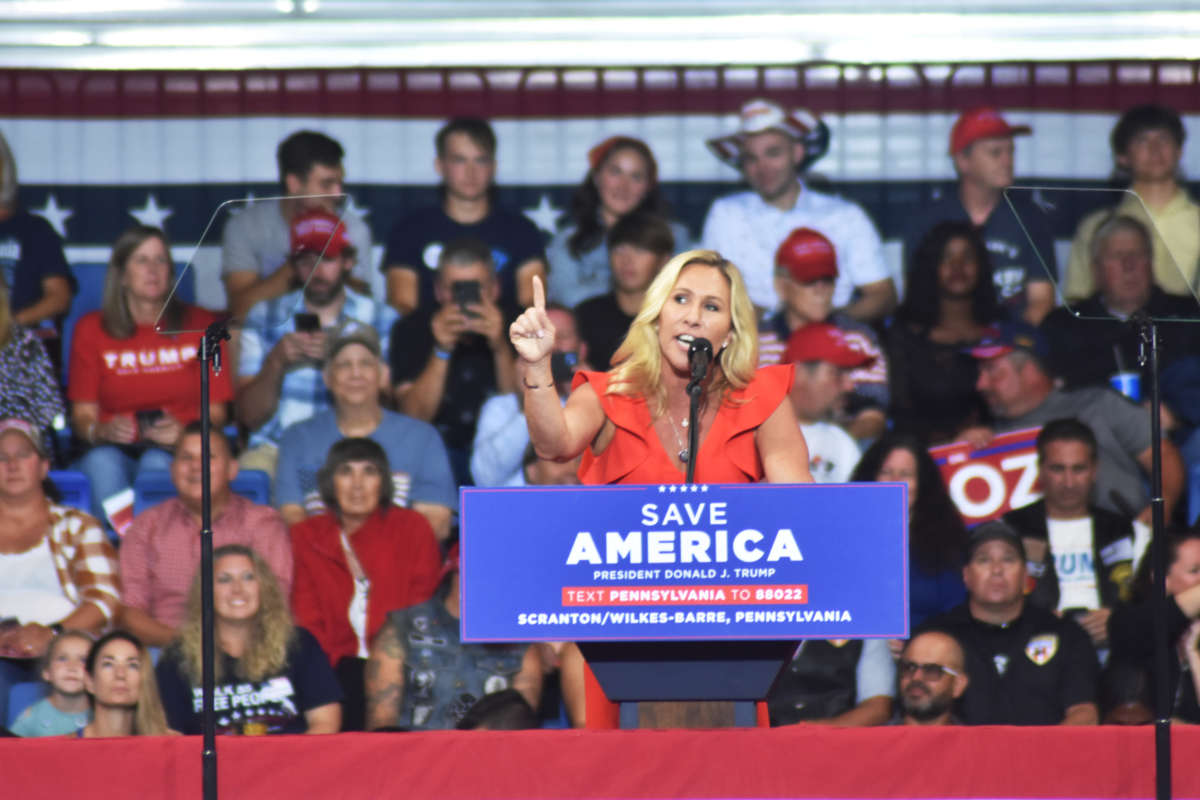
(151, 488)
(90, 278)
(21, 696)
(154, 486)
(254, 485)
(75, 489)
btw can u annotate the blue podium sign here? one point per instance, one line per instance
(684, 562)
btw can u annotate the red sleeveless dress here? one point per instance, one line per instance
(728, 454)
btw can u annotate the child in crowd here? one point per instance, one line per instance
(66, 709)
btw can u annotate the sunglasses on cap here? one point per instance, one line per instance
(930, 672)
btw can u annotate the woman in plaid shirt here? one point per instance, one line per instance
(57, 568)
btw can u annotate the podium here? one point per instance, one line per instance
(684, 592)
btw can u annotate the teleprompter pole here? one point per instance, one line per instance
(210, 358)
(1148, 353)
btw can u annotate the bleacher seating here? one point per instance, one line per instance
(74, 487)
(153, 487)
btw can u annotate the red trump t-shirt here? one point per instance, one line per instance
(147, 371)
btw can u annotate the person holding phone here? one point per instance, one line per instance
(283, 343)
(448, 359)
(134, 383)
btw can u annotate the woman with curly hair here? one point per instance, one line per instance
(271, 676)
(937, 536)
(120, 680)
(622, 179)
(949, 306)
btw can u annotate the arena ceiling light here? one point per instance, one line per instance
(238, 34)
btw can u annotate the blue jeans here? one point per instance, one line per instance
(111, 469)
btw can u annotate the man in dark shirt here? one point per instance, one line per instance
(1079, 555)
(981, 146)
(1021, 393)
(638, 246)
(1027, 665)
(466, 161)
(1102, 343)
(447, 358)
(933, 675)
(1087, 351)
(32, 264)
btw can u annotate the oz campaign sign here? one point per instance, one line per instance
(747, 561)
(986, 483)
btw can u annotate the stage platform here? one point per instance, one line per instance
(804, 762)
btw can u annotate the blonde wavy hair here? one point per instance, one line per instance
(267, 652)
(638, 361)
(149, 719)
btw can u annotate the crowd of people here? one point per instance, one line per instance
(497, 358)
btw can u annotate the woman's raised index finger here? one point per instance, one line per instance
(539, 293)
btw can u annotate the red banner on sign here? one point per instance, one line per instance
(986, 483)
(682, 595)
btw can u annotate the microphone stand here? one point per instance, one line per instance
(1148, 353)
(210, 355)
(694, 390)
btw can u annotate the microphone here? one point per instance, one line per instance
(700, 355)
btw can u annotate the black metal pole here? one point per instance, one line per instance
(694, 390)
(1158, 560)
(210, 358)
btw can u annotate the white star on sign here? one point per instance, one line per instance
(57, 217)
(545, 215)
(151, 214)
(354, 208)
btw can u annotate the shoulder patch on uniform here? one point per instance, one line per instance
(1042, 647)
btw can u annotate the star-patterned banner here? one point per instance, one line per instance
(99, 151)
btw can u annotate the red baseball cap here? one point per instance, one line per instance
(821, 341)
(317, 231)
(807, 256)
(982, 123)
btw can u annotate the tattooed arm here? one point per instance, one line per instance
(385, 679)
